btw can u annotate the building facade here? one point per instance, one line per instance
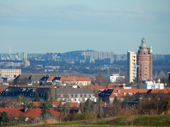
(131, 66)
(144, 60)
(114, 78)
(10, 74)
(153, 85)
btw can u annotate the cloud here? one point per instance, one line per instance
(80, 17)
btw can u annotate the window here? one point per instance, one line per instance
(87, 95)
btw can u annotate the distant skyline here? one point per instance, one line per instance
(40, 26)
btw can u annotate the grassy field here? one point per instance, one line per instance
(140, 121)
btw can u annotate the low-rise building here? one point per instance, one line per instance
(153, 85)
(115, 78)
(74, 94)
(28, 113)
(81, 81)
(9, 74)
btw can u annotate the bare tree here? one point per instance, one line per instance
(100, 79)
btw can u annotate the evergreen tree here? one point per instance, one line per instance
(46, 107)
(46, 96)
(88, 106)
(4, 118)
(36, 97)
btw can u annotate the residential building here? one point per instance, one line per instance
(22, 56)
(81, 81)
(29, 92)
(144, 59)
(153, 85)
(109, 95)
(34, 79)
(28, 113)
(74, 94)
(9, 74)
(114, 78)
(131, 66)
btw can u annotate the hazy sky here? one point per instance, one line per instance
(40, 26)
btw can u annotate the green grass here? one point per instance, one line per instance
(138, 121)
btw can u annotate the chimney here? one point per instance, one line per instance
(25, 109)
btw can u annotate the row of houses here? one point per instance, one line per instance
(28, 113)
(77, 94)
(108, 95)
(64, 94)
(72, 97)
(40, 79)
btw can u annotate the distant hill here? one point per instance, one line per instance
(77, 52)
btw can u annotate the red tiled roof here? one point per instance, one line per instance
(157, 91)
(37, 104)
(93, 88)
(50, 78)
(83, 86)
(56, 103)
(3, 87)
(55, 111)
(33, 113)
(29, 113)
(113, 84)
(120, 92)
(74, 79)
(167, 90)
(13, 111)
(72, 104)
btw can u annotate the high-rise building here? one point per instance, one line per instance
(131, 66)
(144, 60)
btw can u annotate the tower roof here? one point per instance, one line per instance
(143, 42)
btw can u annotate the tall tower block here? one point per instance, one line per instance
(131, 66)
(144, 59)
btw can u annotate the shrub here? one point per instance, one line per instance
(75, 116)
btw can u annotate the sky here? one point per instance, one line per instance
(41, 26)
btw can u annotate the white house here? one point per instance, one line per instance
(153, 85)
(114, 78)
(74, 94)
